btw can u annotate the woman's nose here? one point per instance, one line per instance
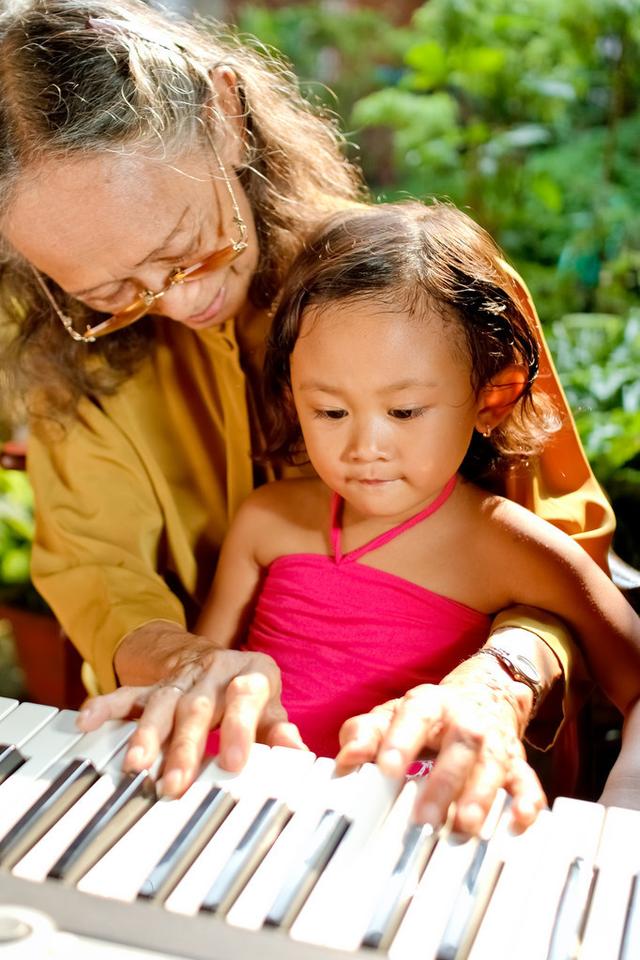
(178, 300)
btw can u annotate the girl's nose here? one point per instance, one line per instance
(367, 443)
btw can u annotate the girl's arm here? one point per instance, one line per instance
(238, 689)
(542, 567)
(622, 788)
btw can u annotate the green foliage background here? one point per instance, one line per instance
(526, 113)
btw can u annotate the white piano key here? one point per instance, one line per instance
(10, 760)
(247, 855)
(630, 946)
(428, 913)
(575, 832)
(66, 787)
(65, 781)
(18, 725)
(500, 926)
(252, 906)
(124, 868)
(617, 862)
(101, 745)
(287, 771)
(379, 857)
(30, 781)
(333, 895)
(36, 864)
(251, 788)
(7, 704)
(469, 906)
(133, 795)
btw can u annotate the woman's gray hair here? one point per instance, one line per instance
(85, 76)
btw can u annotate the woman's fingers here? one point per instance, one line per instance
(528, 796)
(194, 717)
(123, 703)
(154, 727)
(416, 725)
(460, 752)
(284, 734)
(246, 698)
(478, 752)
(361, 736)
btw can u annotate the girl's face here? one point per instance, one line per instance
(385, 403)
(106, 226)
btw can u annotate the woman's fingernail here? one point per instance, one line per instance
(234, 758)
(171, 784)
(473, 815)
(392, 762)
(134, 759)
(85, 714)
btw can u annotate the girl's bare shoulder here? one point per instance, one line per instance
(513, 529)
(287, 516)
(289, 501)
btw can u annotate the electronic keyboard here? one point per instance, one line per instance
(287, 861)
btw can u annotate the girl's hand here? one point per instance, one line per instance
(474, 721)
(206, 687)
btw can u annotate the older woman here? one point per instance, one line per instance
(155, 181)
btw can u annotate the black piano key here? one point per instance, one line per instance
(72, 782)
(572, 910)
(463, 907)
(417, 847)
(131, 798)
(323, 844)
(10, 760)
(630, 944)
(251, 850)
(179, 856)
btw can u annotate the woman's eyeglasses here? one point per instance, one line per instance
(142, 305)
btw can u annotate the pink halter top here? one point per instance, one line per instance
(348, 637)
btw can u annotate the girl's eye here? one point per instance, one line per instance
(409, 413)
(331, 414)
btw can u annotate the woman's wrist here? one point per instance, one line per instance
(528, 650)
(151, 652)
(486, 680)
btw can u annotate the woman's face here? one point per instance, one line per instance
(104, 227)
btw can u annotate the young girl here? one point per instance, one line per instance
(401, 366)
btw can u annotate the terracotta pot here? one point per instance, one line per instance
(50, 663)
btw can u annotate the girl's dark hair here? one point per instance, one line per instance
(82, 77)
(418, 259)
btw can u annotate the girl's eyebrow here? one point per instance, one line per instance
(396, 387)
(153, 253)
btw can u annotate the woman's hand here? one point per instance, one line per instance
(474, 721)
(202, 687)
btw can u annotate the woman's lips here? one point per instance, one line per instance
(198, 319)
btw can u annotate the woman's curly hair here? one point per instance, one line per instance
(420, 260)
(81, 77)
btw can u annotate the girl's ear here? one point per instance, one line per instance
(497, 398)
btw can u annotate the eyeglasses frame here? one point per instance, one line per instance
(178, 275)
